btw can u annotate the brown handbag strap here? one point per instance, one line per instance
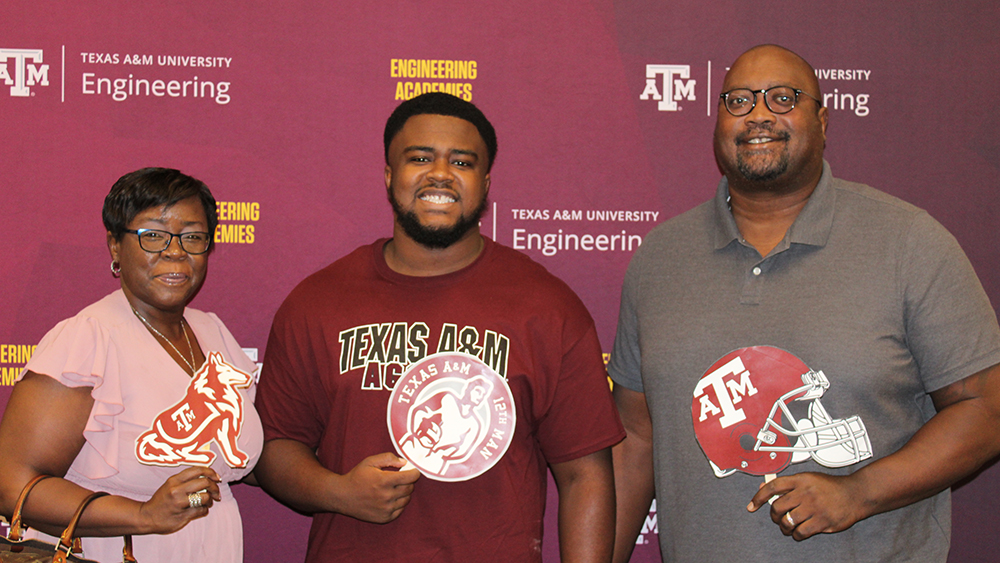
(16, 528)
(127, 556)
(67, 543)
(66, 540)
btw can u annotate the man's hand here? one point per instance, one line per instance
(379, 491)
(375, 490)
(811, 503)
(955, 442)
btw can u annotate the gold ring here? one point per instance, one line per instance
(194, 500)
(790, 521)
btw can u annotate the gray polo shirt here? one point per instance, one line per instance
(865, 287)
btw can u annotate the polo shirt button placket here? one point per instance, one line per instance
(752, 286)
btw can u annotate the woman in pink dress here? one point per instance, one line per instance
(139, 396)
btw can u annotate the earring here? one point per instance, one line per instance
(116, 269)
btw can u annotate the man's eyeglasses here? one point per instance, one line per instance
(779, 99)
(152, 240)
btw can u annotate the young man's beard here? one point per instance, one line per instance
(436, 237)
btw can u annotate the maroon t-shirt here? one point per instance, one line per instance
(344, 335)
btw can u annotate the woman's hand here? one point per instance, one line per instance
(182, 498)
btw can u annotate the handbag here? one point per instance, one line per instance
(15, 549)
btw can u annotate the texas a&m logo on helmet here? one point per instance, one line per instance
(757, 410)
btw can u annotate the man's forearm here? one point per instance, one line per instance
(586, 508)
(633, 466)
(374, 490)
(956, 442)
(290, 472)
(634, 491)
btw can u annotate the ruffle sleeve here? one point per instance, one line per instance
(79, 352)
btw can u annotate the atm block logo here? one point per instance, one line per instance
(21, 69)
(669, 84)
(650, 528)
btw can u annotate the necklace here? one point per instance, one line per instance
(167, 340)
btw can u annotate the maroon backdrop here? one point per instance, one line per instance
(604, 114)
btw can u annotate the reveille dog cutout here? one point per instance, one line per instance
(211, 410)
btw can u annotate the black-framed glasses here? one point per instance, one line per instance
(152, 240)
(779, 99)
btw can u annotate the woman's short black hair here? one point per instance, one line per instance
(137, 191)
(440, 103)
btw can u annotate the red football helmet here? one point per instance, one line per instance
(757, 410)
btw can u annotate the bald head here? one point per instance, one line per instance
(775, 63)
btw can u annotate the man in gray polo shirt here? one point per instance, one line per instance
(802, 340)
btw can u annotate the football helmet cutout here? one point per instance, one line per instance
(758, 409)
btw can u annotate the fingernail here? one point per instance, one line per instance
(750, 507)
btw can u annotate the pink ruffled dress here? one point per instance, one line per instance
(134, 380)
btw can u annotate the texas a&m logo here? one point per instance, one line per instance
(17, 72)
(451, 416)
(757, 410)
(674, 87)
(211, 410)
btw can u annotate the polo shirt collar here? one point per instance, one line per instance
(811, 227)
